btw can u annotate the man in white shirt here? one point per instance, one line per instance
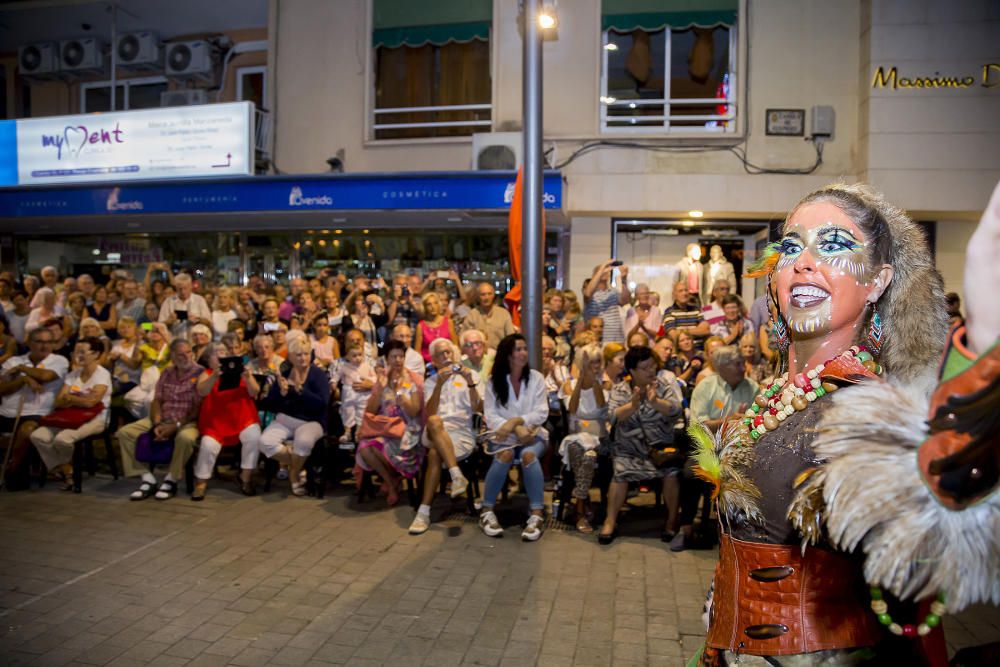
(414, 361)
(28, 387)
(184, 309)
(452, 396)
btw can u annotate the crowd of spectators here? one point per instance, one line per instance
(410, 373)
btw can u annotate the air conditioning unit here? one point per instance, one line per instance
(190, 59)
(139, 51)
(183, 98)
(81, 55)
(496, 150)
(39, 60)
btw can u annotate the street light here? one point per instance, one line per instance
(547, 17)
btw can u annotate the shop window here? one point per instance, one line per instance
(432, 68)
(141, 93)
(667, 68)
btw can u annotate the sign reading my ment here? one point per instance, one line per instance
(891, 79)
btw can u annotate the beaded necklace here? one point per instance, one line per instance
(781, 398)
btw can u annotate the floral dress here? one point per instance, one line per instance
(406, 454)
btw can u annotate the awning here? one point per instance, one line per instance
(408, 23)
(652, 15)
(311, 197)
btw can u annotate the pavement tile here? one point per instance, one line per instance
(325, 584)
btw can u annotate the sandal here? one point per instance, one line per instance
(298, 489)
(144, 491)
(166, 491)
(584, 526)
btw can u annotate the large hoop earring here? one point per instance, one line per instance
(876, 334)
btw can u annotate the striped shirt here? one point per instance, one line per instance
(604, 304)
(676, 317)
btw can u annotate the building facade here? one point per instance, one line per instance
(652, 109)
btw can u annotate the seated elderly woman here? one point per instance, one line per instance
(87, 386)
(588, 414)
(643, 410)
(228, 417)
(398, 394)
(516, 407)
(454, 394)
(299, 397)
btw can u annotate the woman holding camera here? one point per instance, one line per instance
(228, 416)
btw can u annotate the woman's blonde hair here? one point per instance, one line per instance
(296, 344)
(89, 322)
(223, 289)
(428, 296)
(611, 350)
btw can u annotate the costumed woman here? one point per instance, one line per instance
(838, 546)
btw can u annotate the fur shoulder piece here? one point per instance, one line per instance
(870, 493)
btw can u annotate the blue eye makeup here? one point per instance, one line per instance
(836, 241)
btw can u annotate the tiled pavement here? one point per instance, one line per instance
(94, 579)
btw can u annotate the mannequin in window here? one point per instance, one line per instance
(719, 268)
(691, 272)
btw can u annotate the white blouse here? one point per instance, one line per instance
(532, 405)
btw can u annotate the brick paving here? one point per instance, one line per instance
(94, 579)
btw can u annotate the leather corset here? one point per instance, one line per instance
(772, 600)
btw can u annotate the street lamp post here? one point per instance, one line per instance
(531, 202)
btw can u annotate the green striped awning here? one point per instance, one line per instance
(652, 15)
(411, 23)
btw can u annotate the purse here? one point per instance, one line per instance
(663, 455)
(381, 426)
(150, 450)
(70, 417)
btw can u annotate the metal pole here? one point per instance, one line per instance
(532, 240)
(114, 56)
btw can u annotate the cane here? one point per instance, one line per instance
(10, 445)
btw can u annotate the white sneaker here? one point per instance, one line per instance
(459, 486)
(533, 529)
(488, 522)
(420, 524)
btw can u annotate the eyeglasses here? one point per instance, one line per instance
(474, 343)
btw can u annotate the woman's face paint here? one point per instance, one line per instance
(824, 273)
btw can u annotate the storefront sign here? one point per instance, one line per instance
(176, 142)
(890, 78)
(435, 190)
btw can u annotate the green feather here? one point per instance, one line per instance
(765, 263)
(705, 455)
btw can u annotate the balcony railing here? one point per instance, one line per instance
(415, 118)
